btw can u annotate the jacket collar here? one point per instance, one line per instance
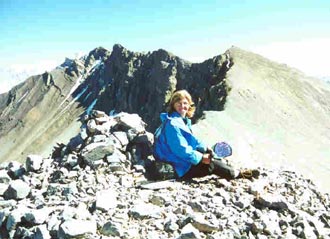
(180, 122)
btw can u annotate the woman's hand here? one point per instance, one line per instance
(209, 151)
(206, 158)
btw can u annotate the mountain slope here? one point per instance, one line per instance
(44, 108)
(274, 116)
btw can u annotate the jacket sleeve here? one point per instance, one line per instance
(200, 146)
(179, 146)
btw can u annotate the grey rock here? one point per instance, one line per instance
(131, 134)
(171, 226)
(17, 190)
(3, 216)
(117, 161)
(271, 223)
(14, 217)
(126, 181)
(41, 232)
(98, 138)
(199, 222)
(244, 202)
(139, 168)
(145, 138)
(95, 152)
(34, 182)
(122, 137)
(77, 228)
(4, 165)
(112, 229)
(161, 170)
(71, 160)
(36, 216)
(15, 169)
(145, 210)
(22, 232)
(106, 199)
(197, 206)
(92, 146)
(33, 162)
(53, 224)
(83, 134)
(190, 232)
(159, 185)
(70, 189)
(99, 114)
(275, 202)
(115, 142)
(53, 189)
(131, 121)
(158, 200)
(7, 203)
(69, 212)
(100, 120)
(4, 177)
(309, 231)
(3, 188)
(261, 236)
(91, 126)
(116, 157)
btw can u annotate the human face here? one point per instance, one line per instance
(182, 106)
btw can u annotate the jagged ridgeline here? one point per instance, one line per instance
(46, 108)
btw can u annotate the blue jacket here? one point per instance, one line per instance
(177, 145)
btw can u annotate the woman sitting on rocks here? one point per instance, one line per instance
(177, 145)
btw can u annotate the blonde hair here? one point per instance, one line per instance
(179, 95)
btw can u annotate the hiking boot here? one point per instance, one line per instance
(249, 174)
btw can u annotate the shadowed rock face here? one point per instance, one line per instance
(45, 108)
(144, 83)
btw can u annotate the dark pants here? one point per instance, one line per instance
(216, 167)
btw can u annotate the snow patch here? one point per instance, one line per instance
(81, 93)
(20, 99)
(95, 66)
(90, 107)
(79, 81)
(75, 99)
(76, 85)
(86, 97)
(82, 78)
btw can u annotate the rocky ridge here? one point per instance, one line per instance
(117, 80)
(98, 186)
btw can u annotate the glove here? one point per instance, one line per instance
(206, 159)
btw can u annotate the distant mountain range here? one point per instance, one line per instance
(270, 113)
(326, 79)
(10, 77)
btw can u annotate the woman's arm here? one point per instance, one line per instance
(179, 145)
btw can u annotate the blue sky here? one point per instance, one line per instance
(40, 34)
